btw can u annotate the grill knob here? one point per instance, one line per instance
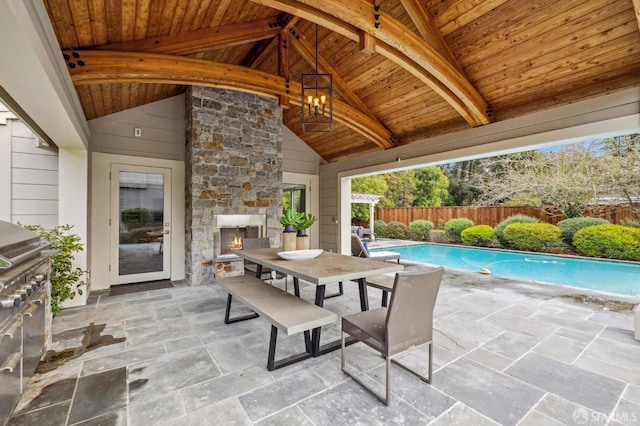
(10, 301)
(27, 289)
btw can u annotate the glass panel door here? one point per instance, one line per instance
(140, 222)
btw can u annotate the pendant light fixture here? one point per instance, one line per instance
(317, 100)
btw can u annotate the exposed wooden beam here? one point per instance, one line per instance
(396, 42)
(367, 43)
(284, 47)
(205, 39)
(307, 51)
(428, 30)
(636, 8)
(104, 67)
(256, 53)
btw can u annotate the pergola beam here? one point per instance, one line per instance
(103, 67)
(396, 42)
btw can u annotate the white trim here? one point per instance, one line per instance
(311, 182)
(101, 164)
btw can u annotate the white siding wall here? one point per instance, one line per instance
(29, 190)
(161, 123)
(297, 156)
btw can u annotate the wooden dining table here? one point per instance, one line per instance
(327, 268)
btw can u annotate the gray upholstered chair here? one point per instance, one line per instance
(359, 250)
(405, 324)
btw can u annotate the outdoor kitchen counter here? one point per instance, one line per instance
(325, 269)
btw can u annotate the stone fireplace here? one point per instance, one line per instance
(233, 167)
(230, 229)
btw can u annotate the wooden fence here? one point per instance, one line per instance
(486, 215)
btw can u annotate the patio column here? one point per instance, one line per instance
(72, 205)
(371, 206)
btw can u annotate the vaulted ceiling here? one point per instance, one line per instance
(403, 70)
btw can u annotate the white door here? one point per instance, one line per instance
(140, 221)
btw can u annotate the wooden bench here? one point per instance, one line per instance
(286, 312)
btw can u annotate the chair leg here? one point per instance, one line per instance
(388, 390)
(416, 374)
(360, 382)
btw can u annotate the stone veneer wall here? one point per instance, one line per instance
(233, 166)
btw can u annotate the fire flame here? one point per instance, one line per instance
(236, 244)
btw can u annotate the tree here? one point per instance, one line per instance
(462, 190)
(564, 182)
(401, 188)
(431, 187)
(625, 153)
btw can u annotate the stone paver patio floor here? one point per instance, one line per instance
(506, 352)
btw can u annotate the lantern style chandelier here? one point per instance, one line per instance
(317, 100)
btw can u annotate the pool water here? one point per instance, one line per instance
(602, 275)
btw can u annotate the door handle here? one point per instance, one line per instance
(166, 232)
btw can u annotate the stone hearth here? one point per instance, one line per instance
(233, 166)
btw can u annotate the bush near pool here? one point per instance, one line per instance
(518, 218)
(478, 235)
(454, 227)
(572, 225)
(532, 236)
(419, 229)
(609, 241)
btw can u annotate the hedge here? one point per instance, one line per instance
(609, 241)
(518, 218)
(454, 227)
(380, 228)
(419, 229)
(397, 230)
(572, 225)
(531, 236)
(479, 235)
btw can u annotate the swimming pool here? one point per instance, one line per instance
(601, 275)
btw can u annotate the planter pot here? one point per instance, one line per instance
(302, 242)
(289, 239)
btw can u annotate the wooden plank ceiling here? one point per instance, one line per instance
(403, 70)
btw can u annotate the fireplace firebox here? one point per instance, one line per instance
(230, 229)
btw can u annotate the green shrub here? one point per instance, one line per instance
(438, 236)
(630, 222)
(397, 230)
(454, 227)
(380, 229)
(419, 229)
(479, 235)
(572, 225)
(518, 218)
(609, 241)
(531, 236)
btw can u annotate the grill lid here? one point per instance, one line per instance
(17, 244)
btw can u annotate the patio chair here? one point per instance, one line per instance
(405, 324)
(256, 243)
(359, 250)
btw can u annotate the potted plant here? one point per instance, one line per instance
(289, 220)
(304, 222)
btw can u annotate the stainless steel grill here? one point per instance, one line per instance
(24, 298)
